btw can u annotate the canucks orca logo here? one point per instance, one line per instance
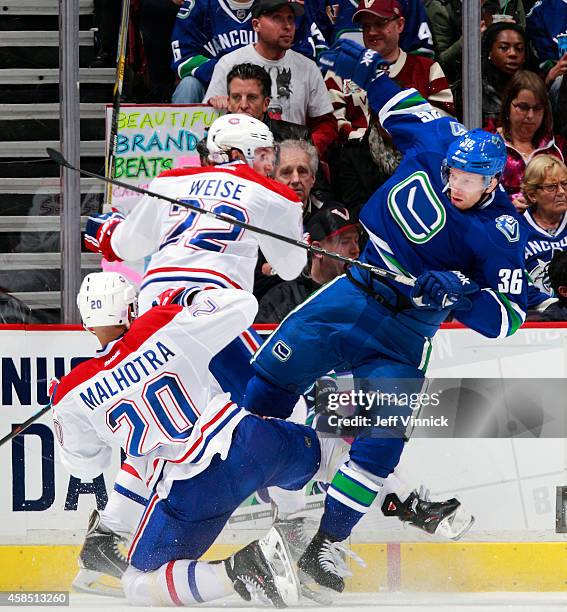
(509, 227)
(540, 276)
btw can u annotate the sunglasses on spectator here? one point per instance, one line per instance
(522, 107)
(378, 24)
(553, 187)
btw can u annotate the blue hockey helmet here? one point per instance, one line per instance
(479, 152)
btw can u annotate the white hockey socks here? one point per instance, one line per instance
(177, 583)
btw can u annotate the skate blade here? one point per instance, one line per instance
(321, 596)
(455, 526)
(279, 557)
(89, 581)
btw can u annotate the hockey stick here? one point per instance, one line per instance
(116, 95)
(400, 278)
(22, 426)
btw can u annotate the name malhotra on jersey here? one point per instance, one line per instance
(125, 375)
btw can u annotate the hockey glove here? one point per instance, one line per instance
(440, 290)
(98, 232)
(179, 295)
(351, 60)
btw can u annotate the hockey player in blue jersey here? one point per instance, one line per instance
(442, 220)
(206, 30)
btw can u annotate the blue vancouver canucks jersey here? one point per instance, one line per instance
(205, 30)
(544, 22)
(414, 227)
(334, 18)
(540, 245)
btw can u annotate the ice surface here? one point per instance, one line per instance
(382, 602)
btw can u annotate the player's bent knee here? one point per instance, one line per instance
(141, 588)
(266, 399)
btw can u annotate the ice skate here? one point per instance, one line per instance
(324, 561)
(264, 570)
(297, 533)
(446, 518)
(102, 560)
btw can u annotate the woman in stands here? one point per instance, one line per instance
(527, 128)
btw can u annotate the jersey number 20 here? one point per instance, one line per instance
(165, 404)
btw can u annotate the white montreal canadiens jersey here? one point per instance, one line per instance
(189, 248)
(147, 393)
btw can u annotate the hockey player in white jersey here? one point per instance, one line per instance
(189, 250)
(146, 391)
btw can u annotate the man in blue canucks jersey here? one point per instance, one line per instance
(334, 18)
(544, 22)
(205, 30)
(442, 220)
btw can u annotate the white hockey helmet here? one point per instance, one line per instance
(106, 298)
(237, 131)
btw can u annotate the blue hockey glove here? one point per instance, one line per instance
(98, 232)
(440, 290)
(351, 60)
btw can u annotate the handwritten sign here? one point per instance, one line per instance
(152, 139)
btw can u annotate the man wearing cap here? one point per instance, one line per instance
(205, 30)
(382, 23)
(335, 21)
(331, 229)
(298, 91)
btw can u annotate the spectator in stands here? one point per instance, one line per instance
(544, 224)
(445, 17)
(546, 23)
(207, 30)
(336, 21)
(156, 20)
(557, 272)
(249, 87)
(298, 91)
(527, 129)
(503, 54)
(107, 21)
(331, 229)
(382, 24)
(296, 166)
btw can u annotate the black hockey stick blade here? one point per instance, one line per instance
(58, 158)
